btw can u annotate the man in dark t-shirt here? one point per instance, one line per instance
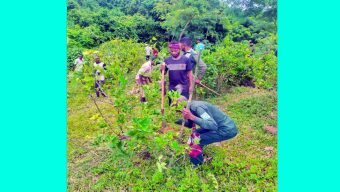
(180, 70)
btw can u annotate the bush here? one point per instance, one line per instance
(233, 64)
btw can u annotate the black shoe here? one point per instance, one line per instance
(143, 100)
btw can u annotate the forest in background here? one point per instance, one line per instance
(227, 28)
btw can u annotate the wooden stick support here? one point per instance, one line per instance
(190, 97)
(209, 89)
(162, 103)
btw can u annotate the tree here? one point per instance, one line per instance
(264, 8)
(195, 18)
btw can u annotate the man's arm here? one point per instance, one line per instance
(190, 75)
(204, 120)
(191, 80)
(202, 68)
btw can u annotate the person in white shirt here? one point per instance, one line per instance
(99, 77)
(143, 77)
(148, 51)
(78, 63)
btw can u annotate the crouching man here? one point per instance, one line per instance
(215, 126)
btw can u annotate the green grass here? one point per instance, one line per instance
(239, 164)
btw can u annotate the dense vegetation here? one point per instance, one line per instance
(116, 31)
(225, 26)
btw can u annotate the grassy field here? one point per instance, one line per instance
(247, 162)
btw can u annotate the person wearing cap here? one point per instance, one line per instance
(186, 47)
(99, 77)
(143, 77)
(215, 126)
(148, 50)
(180, 71)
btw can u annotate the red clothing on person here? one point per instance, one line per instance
(154, 52)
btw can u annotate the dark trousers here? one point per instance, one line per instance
(98, 86)
(208, 137)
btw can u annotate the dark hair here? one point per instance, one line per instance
(186, 41)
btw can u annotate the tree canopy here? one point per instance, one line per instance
(248, 25)
(165, 19)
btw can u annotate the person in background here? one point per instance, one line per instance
(154, 53)
(186, 46)
(78, 63)
(99, 77)
(199, 46)
(148, 50)
(143, 77)
(251, 46)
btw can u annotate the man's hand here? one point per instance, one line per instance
(188, 115)
(162, 66)
(197, 81)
